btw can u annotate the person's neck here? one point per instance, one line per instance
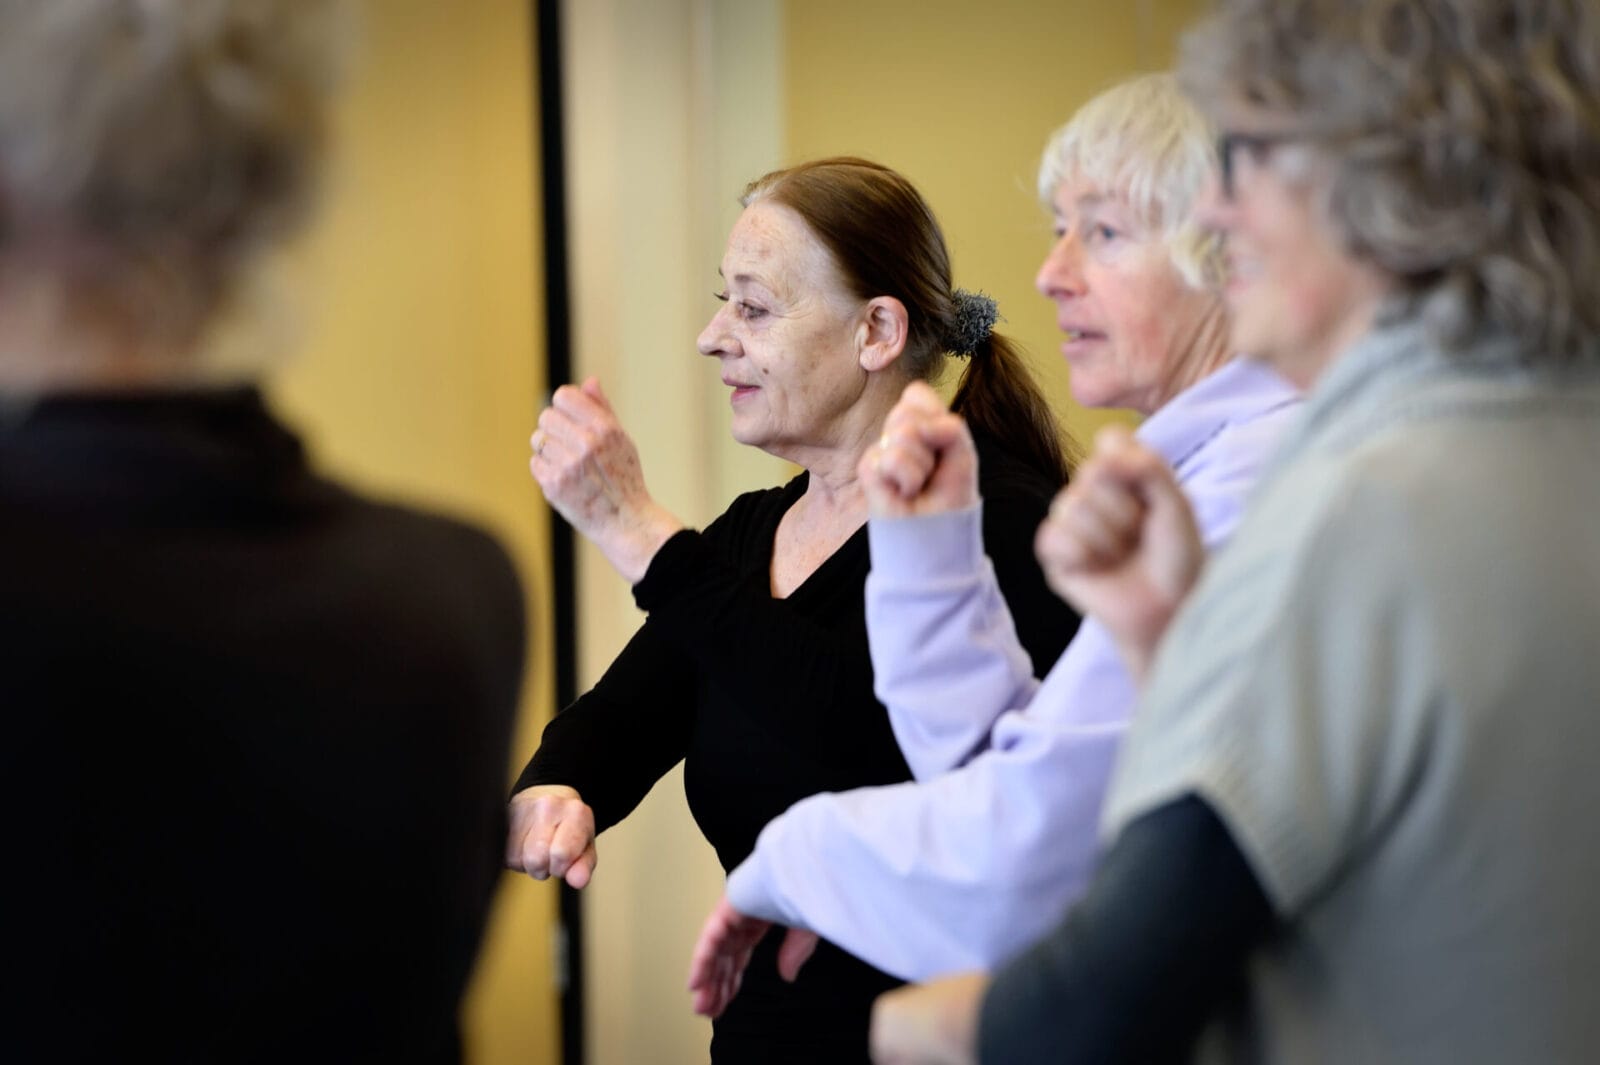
(58, 334)
(834, 492)
(833, 488)
(45, 371)
(43, 351)
(1207, 352)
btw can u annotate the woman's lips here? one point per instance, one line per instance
(1079, 339)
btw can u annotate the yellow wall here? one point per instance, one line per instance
(422, 366)
(960, 96)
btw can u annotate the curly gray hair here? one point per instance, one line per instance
(170, 137)
(1463, 138)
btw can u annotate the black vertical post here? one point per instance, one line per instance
(558, 348)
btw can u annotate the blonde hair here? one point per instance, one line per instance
(164, 142)
(1462, 139)
(1145, 142)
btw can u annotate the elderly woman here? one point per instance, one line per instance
(197, 743)
(753, 663)
(1360, 786)
(970, 864)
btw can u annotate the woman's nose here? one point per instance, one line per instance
(713, 339)
(1061, 273)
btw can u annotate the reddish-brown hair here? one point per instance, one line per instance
(885, 242)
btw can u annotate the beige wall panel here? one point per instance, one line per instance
(672, 105)
(421, 364)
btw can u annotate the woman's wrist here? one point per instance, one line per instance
(1139, 648)
(537, 791)
(633, 545)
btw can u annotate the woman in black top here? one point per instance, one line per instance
(233, 691)
(753, 664)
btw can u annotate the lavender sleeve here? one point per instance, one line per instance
(946, 659)
(963, 870)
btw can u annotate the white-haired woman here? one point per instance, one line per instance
(1354, 818)
(979, 857)
(236, 694)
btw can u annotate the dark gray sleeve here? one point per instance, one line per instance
(1139, 964)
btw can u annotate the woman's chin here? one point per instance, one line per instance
(1087, 392)
(746, 434)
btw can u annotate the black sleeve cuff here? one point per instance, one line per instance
(678, 564)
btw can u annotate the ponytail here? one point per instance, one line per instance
(1000, 400)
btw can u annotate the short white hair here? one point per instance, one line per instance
(1146, 143)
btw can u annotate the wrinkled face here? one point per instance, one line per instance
(1131, 322)
(1296, 297)
(788, 335)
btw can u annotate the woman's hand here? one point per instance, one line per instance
(723, 951)
(1121, 544)
(589, 470)
(552, 834)
(924, 463)
(930, 1024)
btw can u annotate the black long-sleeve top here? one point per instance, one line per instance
(255, 729)
(769, 701)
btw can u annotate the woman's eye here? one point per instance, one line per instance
(743, 308)
(1103, 232)
(1257, 149)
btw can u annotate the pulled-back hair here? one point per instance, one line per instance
(1463, 138)
(885, 242)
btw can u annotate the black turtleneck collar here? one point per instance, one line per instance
(139, 455)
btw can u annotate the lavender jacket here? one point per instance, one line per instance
(984, 851)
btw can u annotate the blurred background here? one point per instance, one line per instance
(420, 309)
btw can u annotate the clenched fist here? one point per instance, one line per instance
(552, 834)
(1120, 544)
(924, 463)
(589, 470)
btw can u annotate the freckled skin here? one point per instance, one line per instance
(791, 339)
(790, 327)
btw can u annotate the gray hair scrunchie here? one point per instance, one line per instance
(973, 321)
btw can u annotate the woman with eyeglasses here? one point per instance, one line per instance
(1353, 818)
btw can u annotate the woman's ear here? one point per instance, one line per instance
(882, 335)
